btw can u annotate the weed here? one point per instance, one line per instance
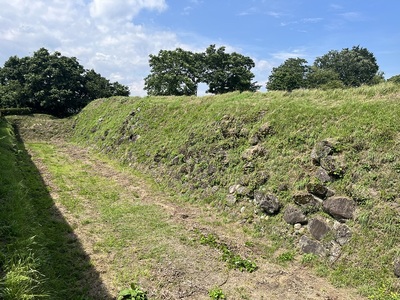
(216, 294)
(233, 260)
(133, 293)
(383, 293)
(308, 259)
(286, 256)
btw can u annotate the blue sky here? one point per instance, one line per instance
(115, 37)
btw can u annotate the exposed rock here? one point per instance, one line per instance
(318, 228)
(323, 176)
(231, 199)
(342, 232)
(268, 203)
(294, 215)
(332, 166)
(334, 252)
(254, 139)
(233, 188)
(303, 198)
(329, 193)
(317, 189)
(239, 190)
(244, 132)
(341, 208)
(297, 226)
(254, 152)
(308, 202)
(397, 266)
(308, 245)
(265, 129)
(321, 149)
(248, 167)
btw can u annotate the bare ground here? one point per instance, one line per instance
(188, 270)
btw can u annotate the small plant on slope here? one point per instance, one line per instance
(216, 294)
(132, 293)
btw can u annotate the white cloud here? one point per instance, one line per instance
(284, 55)
(352, 16)
(100, 33)
(262, 71)
(123, 9)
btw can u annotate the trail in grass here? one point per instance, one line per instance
(134, 232)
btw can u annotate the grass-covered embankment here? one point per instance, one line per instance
(199, 147)
(39, 256)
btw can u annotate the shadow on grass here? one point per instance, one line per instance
(66, 268)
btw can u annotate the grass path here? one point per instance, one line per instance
(131, 231)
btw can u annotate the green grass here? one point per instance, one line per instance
(194, 146)
(120, 223)
(233, 260)
(38, 258)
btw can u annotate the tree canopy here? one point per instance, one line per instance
(52, 83)
(336, 69)
(354, 66)
(178, 72)
(288, 76)
(174, 73)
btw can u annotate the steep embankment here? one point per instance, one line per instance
(103, 228)
(254, 156)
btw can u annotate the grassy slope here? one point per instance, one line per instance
(195, 145)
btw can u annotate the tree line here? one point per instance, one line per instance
(52, 84)
(178, 72)
(58, 85)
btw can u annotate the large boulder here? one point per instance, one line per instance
(342, 233)
(322, 175)
(341, 208)
(308, 245)
(318, 228)
(319, 190)
(308, 202)
(332, 165)
(294, 215)
(268, 203)
(321, 149)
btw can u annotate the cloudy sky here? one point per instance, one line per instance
(115, 37)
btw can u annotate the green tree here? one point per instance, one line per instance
(52, 83)
(12, 81)
(179, 72)
(119, 89)
(323, 78)
(289, 76)
(394, 79)
(174, 72)
(354, 66)
(55, 83)
(227, 72)
(99, 87)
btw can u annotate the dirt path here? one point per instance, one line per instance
(187, 270)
